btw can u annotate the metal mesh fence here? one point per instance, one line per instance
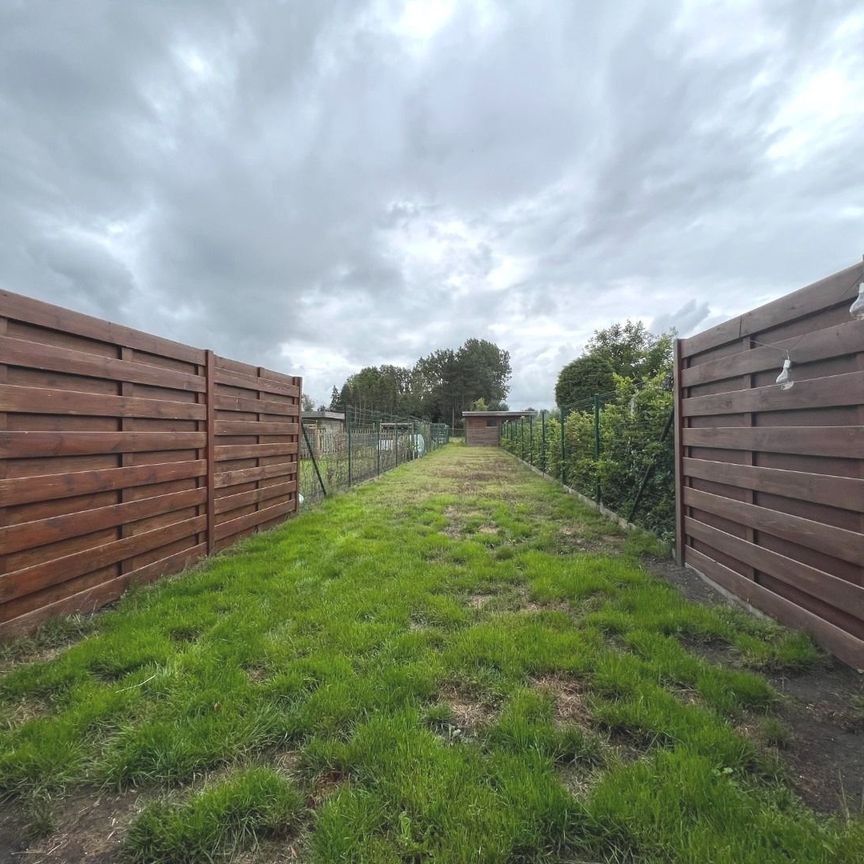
(615, 448)
(364, 445)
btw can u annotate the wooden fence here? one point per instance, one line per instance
(771, 481)
(124, 457)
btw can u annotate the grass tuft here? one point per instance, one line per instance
(220, 820)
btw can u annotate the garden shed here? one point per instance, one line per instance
(483, 428)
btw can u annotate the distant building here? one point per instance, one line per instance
(322, 427)
(483, 428)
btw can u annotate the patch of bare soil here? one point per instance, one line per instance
(689, 583)
(325, 785)
(276, 852)
(457, 518)
(469, 714)
(25, 710)
(571, 539)
(479, 601)
(579, 780)
(570, 702)
(823, 709)
(825, 756)
(87, 829)
(41, 655)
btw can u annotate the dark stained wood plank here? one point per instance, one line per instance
(830, 589)
(846, 442)
(253, 451)
(58, 570)
(250, 520)
(35, 400)
(840, 288)
(20, 308)
(263, 385)
(839, 542)
(846, 493)
(49, 487)
(97, 596)
(247, 475)
(819, 345)
(55, 358)
(226, 503)
(844, 645)
(21, 445)
(255, 406)
(253, 427)
(835, 390)
(28, 535)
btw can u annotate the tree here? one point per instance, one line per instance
(579, 380)
(336, 403)
(631, 350)
(479, 405)
(483, 372)
(628, 350)
(378, 390)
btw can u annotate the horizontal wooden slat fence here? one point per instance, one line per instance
(771, 481)
(124, 457)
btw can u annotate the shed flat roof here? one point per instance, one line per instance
(323, 415)
(498, 413)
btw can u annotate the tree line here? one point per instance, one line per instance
(438, 387)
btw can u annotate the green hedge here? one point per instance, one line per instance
(631, 424)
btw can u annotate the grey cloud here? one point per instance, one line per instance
(683, 320)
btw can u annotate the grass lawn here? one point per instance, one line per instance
(457, 663)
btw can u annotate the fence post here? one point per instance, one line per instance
(210, 385)
(563, 471)
(531, 440)
(543, 441)
(680, 539)
(522, 438)
(396, 442)
(378, 452)
(597, 447)
(312, 457)
(348, 430)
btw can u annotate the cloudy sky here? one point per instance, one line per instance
(319, 186)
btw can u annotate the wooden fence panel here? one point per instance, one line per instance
(770, 501)
(113, 468)
(256, 415)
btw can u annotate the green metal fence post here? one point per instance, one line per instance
(597, 446)
(543, 441)
(348, 430)
(314, 460)
(522, 438)
(563, 471)
(378, 451)
(531, 440)
(396, 441)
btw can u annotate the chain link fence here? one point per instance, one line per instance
(337, 455)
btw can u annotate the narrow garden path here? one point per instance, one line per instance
(456, 663)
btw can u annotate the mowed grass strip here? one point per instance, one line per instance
(464, 664)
